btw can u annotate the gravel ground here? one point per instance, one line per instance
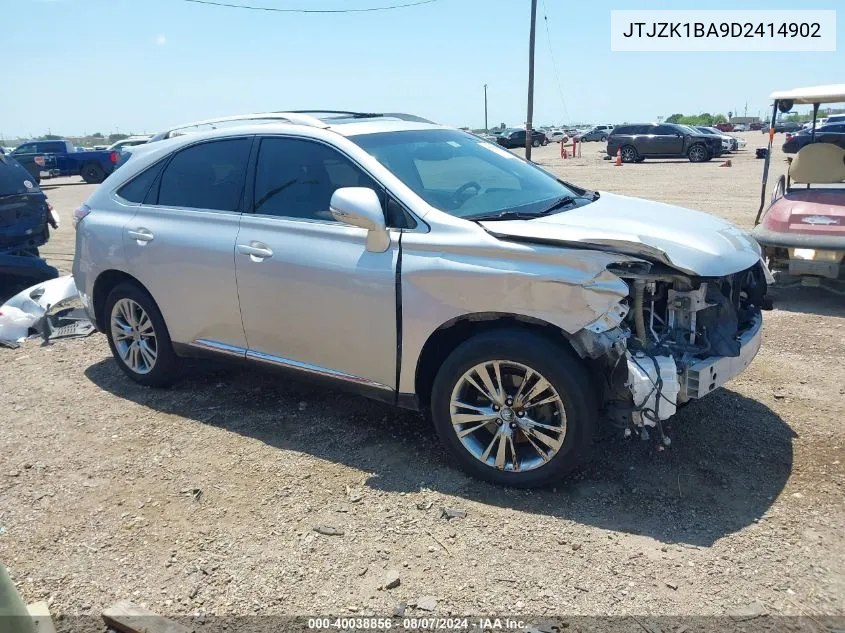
(240, 492)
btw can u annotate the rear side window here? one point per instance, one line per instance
(52, 148)
(664, 130)
(296, 178)
(136, 189)
(206, 176)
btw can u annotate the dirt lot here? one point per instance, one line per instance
(98, 486)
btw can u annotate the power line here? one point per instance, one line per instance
(277, 10)
(554, 64)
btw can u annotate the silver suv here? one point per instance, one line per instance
(425, 267)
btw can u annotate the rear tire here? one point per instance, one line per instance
(92, 173)
(535, 142)
(697, 154)
(138, 337)
(533, 456)
(603, 139)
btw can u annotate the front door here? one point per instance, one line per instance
(666, 140)
(312, 297)
(180, 243)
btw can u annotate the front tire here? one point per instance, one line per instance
(697, 154)
(535, 142)
(138, 337)
(514, 409)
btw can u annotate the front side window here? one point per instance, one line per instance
(296, 178)
(461, 174)
(206, 176)
(26, 148)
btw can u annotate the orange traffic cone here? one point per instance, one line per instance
(727, 163)
(619, 157)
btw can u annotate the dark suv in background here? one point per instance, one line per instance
(667, 140)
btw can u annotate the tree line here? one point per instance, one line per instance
(705, 118)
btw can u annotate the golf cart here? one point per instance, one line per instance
(802, 231)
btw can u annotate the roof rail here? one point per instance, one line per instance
(366, 115)
(299, 118)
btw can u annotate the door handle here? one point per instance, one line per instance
(141, 235)
(257, 251)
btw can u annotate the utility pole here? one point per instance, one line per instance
(485, 107)
(529, 120)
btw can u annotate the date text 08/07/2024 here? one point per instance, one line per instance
(415, 624)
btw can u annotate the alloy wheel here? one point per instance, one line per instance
(508, 416)
(697, 154)
(134, 336)
(629, 155)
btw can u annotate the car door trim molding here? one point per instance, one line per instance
(315, 370)
(287, 363)
(216, 346)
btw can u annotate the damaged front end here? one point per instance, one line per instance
(675, 337)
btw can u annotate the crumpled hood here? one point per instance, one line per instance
(693, 242)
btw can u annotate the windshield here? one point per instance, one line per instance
(462, 174)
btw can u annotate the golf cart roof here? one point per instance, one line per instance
(831, 93)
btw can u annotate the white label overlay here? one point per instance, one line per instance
(722, 30)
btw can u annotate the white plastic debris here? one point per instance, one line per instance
(28, 308)
(15, 324)
(38, 298)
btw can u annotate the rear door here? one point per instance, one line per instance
(57, 153)
(312, 297)
(180, 243)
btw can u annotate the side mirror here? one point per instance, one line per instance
(360, 206)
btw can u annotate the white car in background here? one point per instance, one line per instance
(557, 136)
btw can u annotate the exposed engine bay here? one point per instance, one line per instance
(678, 337)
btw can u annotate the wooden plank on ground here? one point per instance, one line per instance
(40, 614)
(130, 618)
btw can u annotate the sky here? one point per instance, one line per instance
(77, 67)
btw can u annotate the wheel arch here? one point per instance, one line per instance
(442, 341)
(103, 285)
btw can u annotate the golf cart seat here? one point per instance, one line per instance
(818, 163)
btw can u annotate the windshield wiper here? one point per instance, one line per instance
(524, 215)
(504, 215)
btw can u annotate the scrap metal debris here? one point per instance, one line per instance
(453, 513)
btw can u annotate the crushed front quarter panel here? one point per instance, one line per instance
(481, 275)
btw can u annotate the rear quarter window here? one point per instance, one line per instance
(136, 189)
